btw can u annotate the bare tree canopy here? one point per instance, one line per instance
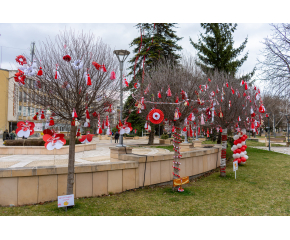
(73, 72)
(275, 59)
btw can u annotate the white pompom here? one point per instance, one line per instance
(242, 154)
(235, 147)
(238, 155)
(246, 157)
(245, 152)
(234, 156)
(236, 137)
(243, 143)
(239, 145)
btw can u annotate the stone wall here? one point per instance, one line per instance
(34, 185)
(41, 150)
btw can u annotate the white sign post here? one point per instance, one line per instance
(65, 200)
(235, 168)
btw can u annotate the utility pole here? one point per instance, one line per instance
(32, 50)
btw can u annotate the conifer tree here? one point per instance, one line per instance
(216, 49)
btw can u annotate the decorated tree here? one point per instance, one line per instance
(156, 41)
(234, 105)
(70, 80)
(171, 96)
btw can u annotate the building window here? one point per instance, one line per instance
(24, 111)
(32, 111)
(24, 96)
(19, 110)
(28, 113)
(20, 96)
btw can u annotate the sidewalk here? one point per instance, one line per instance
(101, 154)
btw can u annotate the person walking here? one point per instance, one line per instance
(5, 135)
(117, 137)
(13, 135)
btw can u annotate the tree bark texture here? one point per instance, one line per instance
(71, 161)
(223, 154)
(177, 155)
(151, 135)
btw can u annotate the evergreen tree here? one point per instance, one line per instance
(216, 49)
(157, 42)
(134, 118)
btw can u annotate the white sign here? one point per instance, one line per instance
(38, 127)
(65, 200)
(235, 168)
(235, 165)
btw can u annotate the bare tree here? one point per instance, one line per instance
(68, 89)
(234, 107)
(275, 59)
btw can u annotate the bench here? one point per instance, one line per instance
(274, 140)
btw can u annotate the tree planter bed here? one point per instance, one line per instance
(41, 150)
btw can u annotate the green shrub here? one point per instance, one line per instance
(25, 142)
(77, 141)
(230, 141)
(164, 136)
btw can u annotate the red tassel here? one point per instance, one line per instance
(87, 114)
(39, 71)
(95, 114)
(78, 133)
(103, 125)
(51, 122)
(97, 66)
(177, 100)
(104, 68)
(159, 94)
(42, 115)
(74, 114)
(227, 84)
(113, 76)
(246, 86)
(35, 117)
(89, 83)
(73, 122)
(55, 77)
(169, 92)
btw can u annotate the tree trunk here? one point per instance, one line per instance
(151, 135)
(224, 153)
(177, 155)
(219, 139)
(71, 161)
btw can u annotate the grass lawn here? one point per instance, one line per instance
(262, 187)
(170, 148)
(249, 144)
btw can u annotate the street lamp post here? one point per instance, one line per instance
(288, 119)
(268, 116)
(121, 55)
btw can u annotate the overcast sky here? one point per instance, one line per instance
(16, 38)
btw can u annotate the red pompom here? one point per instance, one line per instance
(39, 71)
(67, 58)
(89, 82)
(51, 122)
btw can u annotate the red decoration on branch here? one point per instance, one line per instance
(156, 116)
(67, 58)
(21, 59)
(25, 129)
